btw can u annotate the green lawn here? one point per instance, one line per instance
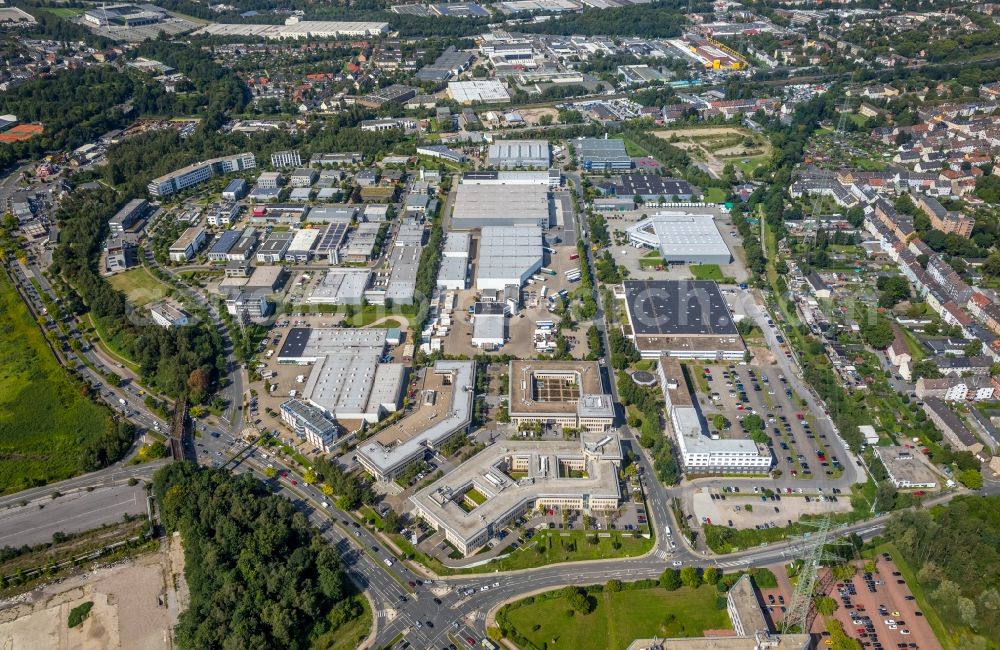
(350, 634)
(65, 12)
(706, 272)
(139, 286)
(573, 547)
(632, 149)
(749, 163)
(44, 420)
(620, 618)
(715, 195)
(476, 496)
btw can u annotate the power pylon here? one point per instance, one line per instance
(813, 555)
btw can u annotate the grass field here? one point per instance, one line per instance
(65, 12)
(715, 195)
(706, 272)
(620, 618)
(43, 417)
(349, 635)
(139, 286)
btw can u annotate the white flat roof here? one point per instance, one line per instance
(508, 252)
(678, 234)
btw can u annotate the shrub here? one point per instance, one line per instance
(79, 614)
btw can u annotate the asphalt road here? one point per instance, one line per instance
(41, 517)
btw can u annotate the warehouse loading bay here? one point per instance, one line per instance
(535, 308)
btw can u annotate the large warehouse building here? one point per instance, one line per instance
(477, 206)
(519, 154)
(476, 500)
(681, 318)
(700, 453)
(346, 382)
(507, 256)
(682, 238)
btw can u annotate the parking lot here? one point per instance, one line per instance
(879, 610)
(723, 508)
(738, 391)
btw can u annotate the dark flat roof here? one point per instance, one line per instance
(295, 342)
(687, 307)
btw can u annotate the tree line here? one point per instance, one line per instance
(954, 549)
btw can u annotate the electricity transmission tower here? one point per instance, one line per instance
(812, 555)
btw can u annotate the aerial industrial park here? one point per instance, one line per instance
(545, 324)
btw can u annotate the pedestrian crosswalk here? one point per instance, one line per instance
(660, 553)
(734, 563)
(480, 615)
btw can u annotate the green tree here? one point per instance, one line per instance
(670, 579)
(711, 575)
(690, 577)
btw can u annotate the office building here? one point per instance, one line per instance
(273, 250)
(235, 190)
(602, 154)
(444, 410)
(568, 394)
(187, 244)
(699, 452)
(131, 212)
(283, 159)
(192, 175)
(167, 315)
(476, 500)
(312, 425)
(252, 306)
(551, 178)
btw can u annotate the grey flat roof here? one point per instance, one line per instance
(485, 204)
(458, 417)
(687, 307)
(519, 153)
(315, 342)
(600, 149)
(508, 251)
(489, 326)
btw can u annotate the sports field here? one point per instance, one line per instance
(44, 420)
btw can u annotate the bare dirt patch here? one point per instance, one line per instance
(131, 607)
(533, 115)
